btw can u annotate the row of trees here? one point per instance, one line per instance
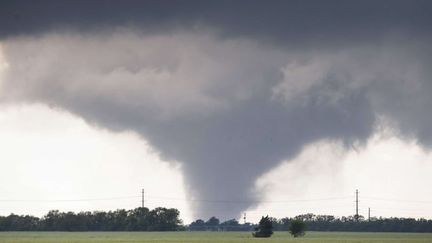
(322, 223)
(332, 223)
(263, 229)
(138, 219)
(164, 219)
(214, 224)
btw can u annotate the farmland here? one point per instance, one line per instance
(234, 237)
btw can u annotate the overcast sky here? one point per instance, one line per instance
(216, 108)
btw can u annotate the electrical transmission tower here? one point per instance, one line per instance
(356, 216)
(142, 198)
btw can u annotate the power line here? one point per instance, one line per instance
(248, 201)
(396, 200)
(214, 200)
(173, 199)
(67, 200)
(400, 209)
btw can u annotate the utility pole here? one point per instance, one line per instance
(368, 214)
(356, 216)
(142, 198)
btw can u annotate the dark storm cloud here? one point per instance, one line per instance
(313, 21)
(228, 88)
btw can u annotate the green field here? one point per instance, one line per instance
(327, 237)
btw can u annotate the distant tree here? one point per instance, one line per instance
(229, 225)
(213, 221)
(164, 219)
(297, 228)
(18, 223)
(138, 219)
(119, 220)
(265, 228)
(285, 221)
(198, 222)
(198, 225)
(231, 222)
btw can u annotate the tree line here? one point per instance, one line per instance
(350, 223)
(322, 223)
(164, 219)
(138, 219)
(214, 224)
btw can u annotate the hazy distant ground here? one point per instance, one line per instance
(316, 237)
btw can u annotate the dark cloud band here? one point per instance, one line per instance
(294, 21)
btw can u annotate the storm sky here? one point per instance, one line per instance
(228, 95)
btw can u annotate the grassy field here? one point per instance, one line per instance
(316, 237)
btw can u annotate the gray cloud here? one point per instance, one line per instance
(227, 109)
(300, 22)
(228, 89)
